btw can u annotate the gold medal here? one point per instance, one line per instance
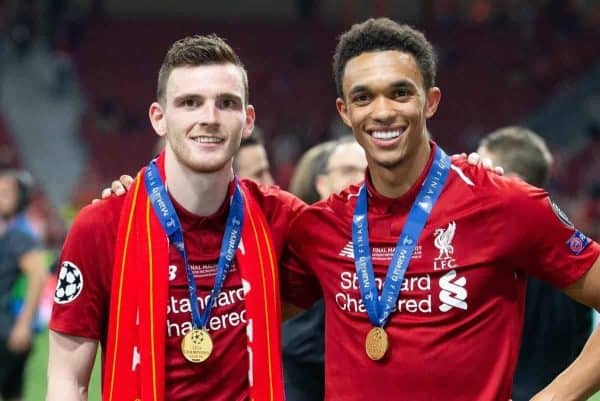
(377, 343)
(196, 345)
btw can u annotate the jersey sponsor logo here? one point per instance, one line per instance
(562, 216)
(225, 311)
(69, 284)
(415, 294)
(577, 243)
(379, 253)
(453, 293)
(443, 242)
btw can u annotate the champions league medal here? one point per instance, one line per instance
(376, 343)
(196, 346)
(379, 307)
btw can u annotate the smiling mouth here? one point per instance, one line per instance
(207, 139)
(387, 135)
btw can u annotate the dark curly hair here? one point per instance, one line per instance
(383, 34)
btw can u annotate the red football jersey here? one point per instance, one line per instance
(456, 329)
(88, 253)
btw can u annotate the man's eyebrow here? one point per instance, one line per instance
(358, 89)
(229, 95)
(184, 96)
(403, 83)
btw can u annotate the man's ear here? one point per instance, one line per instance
(321, 186)
(157, 119)
(249, 123)
(434, 95)
(343, 111)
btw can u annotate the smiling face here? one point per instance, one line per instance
(204, 115)
(386, 105)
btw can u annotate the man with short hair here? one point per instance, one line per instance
(345, 165)
(178, 280)
(555, 327)
(423, 267)
(252, 162)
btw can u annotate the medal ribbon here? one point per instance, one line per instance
(378, 309)
(165, 211)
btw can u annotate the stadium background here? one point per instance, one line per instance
(77, 76)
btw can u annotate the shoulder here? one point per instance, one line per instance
(489, 187)
(272, 198)
(99, 217)
(336, 210)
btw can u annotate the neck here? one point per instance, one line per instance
(199, 193)
(396, 181)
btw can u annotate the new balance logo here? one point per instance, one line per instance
(453, 293)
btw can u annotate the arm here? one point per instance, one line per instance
(582, 378)
(32, 265)
(70, 363)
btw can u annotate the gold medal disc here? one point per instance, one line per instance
(196, 346)
(377, 343)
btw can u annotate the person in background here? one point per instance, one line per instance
(251, 160)
(325, 169)
(556, 327)
(20, 256)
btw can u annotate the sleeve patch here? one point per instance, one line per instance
(69, 284)
(577, 243)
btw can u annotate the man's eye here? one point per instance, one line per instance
(362, 98)
(229, 104)
(401, 93)
(190, 103)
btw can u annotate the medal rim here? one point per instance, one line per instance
(370, 340)
(187, 337)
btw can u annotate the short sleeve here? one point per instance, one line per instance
(544, 242)
(299, 285)
(81, 298)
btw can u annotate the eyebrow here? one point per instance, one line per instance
(187, 96)
(403, 83)
(226, 95)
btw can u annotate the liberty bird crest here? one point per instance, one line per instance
(443, 241)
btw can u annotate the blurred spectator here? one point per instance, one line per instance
(555, 327)
(20, 255)
(323, 170)
(251, 160)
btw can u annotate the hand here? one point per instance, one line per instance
(20, 338)
(117, 188)
(476, 160)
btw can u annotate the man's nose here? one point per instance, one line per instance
(383, 110)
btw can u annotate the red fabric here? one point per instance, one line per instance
(141, 245)
(440, 348)
(138, 304)
(90, 245)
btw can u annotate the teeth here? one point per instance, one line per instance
(207, 139)
(386, 134)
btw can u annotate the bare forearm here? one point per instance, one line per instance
(63, 389)
(582, 378)
(70, 362)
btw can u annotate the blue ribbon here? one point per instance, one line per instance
(163, 207)
(378, 309)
